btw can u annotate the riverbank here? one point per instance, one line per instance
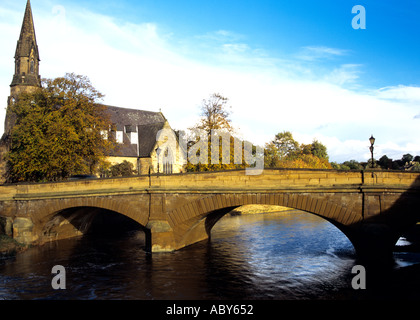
(257, 209)
(9, 246)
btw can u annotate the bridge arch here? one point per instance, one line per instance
(197, 217)
(59, 212)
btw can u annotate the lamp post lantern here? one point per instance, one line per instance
(372, 142)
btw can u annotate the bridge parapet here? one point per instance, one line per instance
(270, 179)
(392, 178)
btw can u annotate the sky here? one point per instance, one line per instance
(301, 66)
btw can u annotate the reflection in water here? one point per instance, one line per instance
(271, 256)
(285, 256)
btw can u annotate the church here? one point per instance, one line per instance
(136, 131)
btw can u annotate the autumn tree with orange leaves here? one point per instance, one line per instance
(58, 131)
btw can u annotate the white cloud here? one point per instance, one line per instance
(344, 74)
(139, 66)
(312, 53)
(400, 93)
(220, 36)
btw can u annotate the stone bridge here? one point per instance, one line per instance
(372, 208)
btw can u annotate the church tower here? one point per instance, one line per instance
(26, 77)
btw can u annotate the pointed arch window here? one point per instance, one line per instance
(168, 162)
(32, 66)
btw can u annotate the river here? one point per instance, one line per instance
(283, 256)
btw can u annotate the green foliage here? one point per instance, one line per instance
(416, 167)
(353, 165)
(285, 145)
(384, 162)
(9, 246)
(123, 169)
(407, 158)
(369, 165)
(58, 131)
(338, 166)
(271, 157)
(285, 152)
(319, 150)
(407, 162)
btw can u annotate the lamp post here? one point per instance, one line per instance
(372, 142)
(158, 153)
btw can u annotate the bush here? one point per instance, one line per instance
(123, 169)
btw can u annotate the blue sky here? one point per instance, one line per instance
(387, 48)
(284, 65)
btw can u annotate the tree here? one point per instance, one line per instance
(316, 148)
(214, 115)
(319, 150)
(58, 131)
(407, 158)
(338, 166)
(285, 152)
(372, 165)
(306, 161)
(353, 165)
(123, 169)
(271, 157)
(285, 144)
(212, 139)
(416, 167)
(384, 162)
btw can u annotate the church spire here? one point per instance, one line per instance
(26, 75)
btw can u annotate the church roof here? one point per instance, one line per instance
(27, 39)
(147, 138)
(145, 123)
(122, 117)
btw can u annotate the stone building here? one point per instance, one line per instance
(136, 130)
(146, 140)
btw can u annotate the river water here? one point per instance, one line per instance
(291, 255)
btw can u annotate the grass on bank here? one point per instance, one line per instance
(9, 246)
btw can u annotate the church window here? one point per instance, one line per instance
(167, 162)
(119, 137)
(104, 134)
(32, 66)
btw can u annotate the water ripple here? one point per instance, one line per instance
(290, 256)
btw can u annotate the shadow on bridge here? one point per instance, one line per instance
(91, 221)
(374, 237)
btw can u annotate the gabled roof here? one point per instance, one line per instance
(147, 138)
(122, 117)
(145, 123)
